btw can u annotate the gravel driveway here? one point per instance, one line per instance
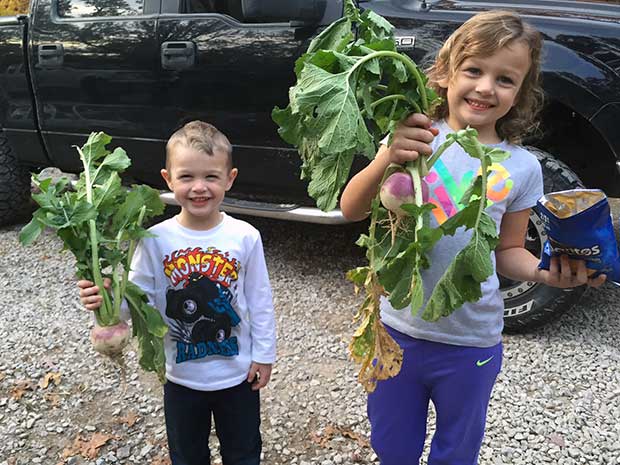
(557, 400)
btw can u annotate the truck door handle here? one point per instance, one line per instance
(178, 55)
(51, 55)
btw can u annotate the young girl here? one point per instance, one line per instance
(488, 76)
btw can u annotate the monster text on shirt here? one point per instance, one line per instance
(212, 263)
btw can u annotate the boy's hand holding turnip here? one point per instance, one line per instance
(89, 293)
(107, 340)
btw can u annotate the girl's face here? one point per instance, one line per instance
(484, 89)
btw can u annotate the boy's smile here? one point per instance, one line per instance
(484, 89)
(199, 182)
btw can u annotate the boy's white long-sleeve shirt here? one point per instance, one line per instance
(212, 289)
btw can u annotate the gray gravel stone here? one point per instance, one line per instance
(556, 401)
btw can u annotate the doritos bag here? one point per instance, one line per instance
(579, 224)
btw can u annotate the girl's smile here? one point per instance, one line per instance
(477, 105)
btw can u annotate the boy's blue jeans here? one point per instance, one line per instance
(236, 412)
(458, 380)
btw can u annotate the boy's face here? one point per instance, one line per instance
(199, 182)
(484, 89)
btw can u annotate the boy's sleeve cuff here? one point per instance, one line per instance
(262, 358)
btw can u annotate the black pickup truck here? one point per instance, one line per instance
(137, 69)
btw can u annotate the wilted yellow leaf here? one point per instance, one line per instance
(372, 346)
(50, 377)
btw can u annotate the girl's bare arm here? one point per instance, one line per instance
(362, 188)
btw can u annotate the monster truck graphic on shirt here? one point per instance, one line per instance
(201, 314)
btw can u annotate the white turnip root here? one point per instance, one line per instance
(397, 190)
(110, 340)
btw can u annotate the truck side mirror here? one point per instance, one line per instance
(298, 11)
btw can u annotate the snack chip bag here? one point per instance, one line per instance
(579, 224)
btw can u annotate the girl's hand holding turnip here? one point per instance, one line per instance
(411, 139)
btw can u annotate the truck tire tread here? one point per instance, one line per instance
(14, 184)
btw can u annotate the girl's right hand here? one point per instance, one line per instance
(412, 138)
(89, 293)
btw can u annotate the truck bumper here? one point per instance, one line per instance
(289, 212)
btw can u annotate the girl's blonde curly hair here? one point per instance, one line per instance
(482, 35)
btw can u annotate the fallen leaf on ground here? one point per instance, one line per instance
(87, 448)
(161, 460)
(331, 431)
(130, 419)
(361, 440)
(52, 398)
(52, 377)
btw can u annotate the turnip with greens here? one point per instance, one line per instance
(100, 222)
(353, 87)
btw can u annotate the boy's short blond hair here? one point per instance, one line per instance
(200, 136)
(483, 35)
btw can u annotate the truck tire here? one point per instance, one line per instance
(14, 184)
(529, 305)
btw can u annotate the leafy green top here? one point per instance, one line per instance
(348, 93)
(99, 223)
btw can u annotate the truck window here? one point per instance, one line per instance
(224, 7)
(99, 8)
(14, 7)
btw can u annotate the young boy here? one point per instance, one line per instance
(206, 273)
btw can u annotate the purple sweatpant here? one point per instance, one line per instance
(458, 380)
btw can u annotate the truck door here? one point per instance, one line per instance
(94, 68)
(229, 70)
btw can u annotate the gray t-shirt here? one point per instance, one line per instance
(515, 184)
